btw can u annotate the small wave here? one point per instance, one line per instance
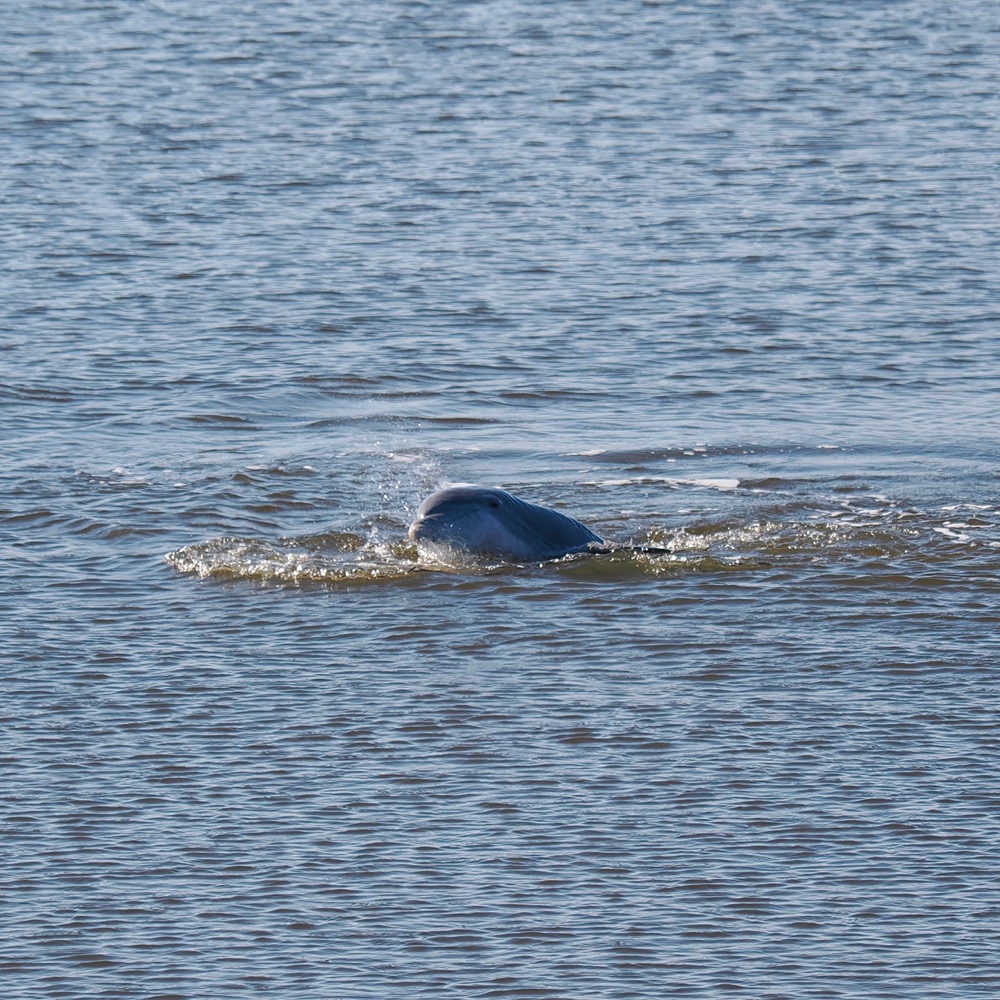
(866, 530)
(714, 484)
(117, 478)
(253, 560)
(228, 420)
(626, 564)
(645, 456)
(773, 539)
(341, 557)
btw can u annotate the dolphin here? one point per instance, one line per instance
(474, 521)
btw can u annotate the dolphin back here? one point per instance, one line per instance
(551, 533)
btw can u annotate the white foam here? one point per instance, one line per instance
(956, 535)
(714, 484)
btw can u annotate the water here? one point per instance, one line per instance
(718, 278)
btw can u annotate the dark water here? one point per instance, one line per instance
(718, 277)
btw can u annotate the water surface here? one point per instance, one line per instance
(719, 279)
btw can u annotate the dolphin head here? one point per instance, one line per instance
(471, 521)
(467, 520)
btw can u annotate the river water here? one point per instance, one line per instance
(718, 278)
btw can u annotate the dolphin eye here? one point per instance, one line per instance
(495, 504)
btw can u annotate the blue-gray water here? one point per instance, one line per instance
(719, 277)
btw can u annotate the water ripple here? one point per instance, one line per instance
(718, 279)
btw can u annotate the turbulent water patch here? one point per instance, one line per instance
(860, 531)
(291, 562)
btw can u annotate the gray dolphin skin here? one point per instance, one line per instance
(473, 521)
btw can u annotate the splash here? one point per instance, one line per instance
(332, 558)
(867, 530)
